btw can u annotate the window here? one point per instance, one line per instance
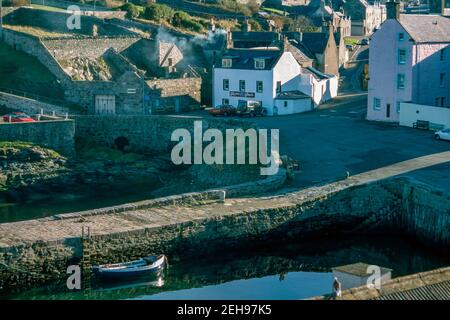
(260, 64)
(285, 104)
(442, 54)
(400, 81)
(439, 101)
(398, 106)
(278, 86)
(441, 79)
(401, 36)
(226, 84)
(401, 56)
(242, 85)
(225, 102)
(376, 104)
(227, 63)
(170, 62)
(259, 86)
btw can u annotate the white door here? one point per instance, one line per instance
(105, 104)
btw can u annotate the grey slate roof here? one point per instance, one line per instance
(436, 291)
(245, 58)
(426, 28)
(292, 95)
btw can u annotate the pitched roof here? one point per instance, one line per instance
(292, 95)
(316, 42)
(255, 36)
(426, 28)
(245, 58)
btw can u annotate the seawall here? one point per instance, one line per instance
(36, 251)
(56, 134)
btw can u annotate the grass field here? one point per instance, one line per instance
(22, 72)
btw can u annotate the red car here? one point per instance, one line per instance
(222, 110)
(17, 117)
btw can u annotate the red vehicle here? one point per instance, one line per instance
(222, 110)
(17, 117)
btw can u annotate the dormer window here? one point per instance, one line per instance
(227, 63)
(260, 64)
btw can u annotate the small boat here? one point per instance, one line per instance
(151, 265)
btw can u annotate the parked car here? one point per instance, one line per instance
(222, 110)
(364, 42)
(250, 108)
(17, 117)
(443, 134)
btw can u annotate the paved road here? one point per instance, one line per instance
(336, 138)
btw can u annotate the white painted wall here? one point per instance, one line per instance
(410, 113)
(319, 90)
(292, 106)
(287, 70)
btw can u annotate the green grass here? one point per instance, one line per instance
(21, 145)
(47, 8)
(273, 10)
(22, 72)
(351, 41)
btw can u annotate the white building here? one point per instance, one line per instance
(270, 76)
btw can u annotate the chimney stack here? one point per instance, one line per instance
(393, 9)
(229, 40)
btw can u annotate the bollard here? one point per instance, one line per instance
(67, 115)
(42, 111)
(53, 113)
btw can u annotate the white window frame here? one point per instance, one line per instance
(376, 104)
(260, 64)
(227, 63)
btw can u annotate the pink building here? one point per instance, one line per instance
(409, 62)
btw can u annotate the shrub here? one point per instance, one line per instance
(158, 12)
(183, 20)
(15, 3)
(132, 10)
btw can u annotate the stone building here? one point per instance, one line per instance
(366, 18)
(409, 62)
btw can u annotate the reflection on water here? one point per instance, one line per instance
(78, 200)
(293, 271)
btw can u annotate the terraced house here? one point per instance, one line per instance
(409, 62)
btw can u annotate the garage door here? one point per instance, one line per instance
(105, 104)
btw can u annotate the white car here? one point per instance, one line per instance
(443, 134)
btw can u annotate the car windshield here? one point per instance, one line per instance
(446, 130)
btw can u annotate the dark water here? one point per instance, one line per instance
(294, 271)
(85, 198)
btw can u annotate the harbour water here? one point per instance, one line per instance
(289, 271)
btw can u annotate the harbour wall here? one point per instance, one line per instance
(397, 205)
(55, 134)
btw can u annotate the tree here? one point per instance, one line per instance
(302, 23)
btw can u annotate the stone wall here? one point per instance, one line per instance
(30, 106)
(318, 212)
(57, 135)
(175, 95)
(91, 48)
(148, 134)
(57, 22)
(34, 47)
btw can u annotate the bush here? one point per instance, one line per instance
(183, 20)
(132, 10)
(158, 12)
